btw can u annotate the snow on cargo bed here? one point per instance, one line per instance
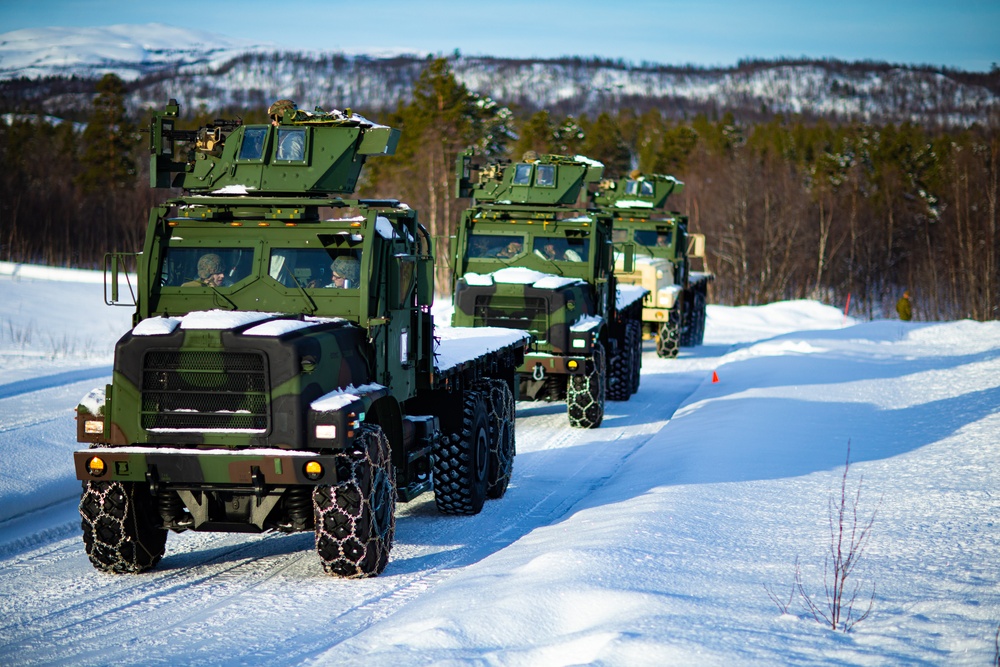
(454, 346)
(701, 277)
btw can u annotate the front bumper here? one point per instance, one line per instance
(552, 365)
(205, 469)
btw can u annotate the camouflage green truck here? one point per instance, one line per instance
(674, 309)
(283, 372)
(529, 257)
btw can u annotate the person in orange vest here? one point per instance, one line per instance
(904, 308)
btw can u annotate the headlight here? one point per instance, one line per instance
(326, 431)
(93, 427)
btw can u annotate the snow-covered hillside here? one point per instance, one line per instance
(204, 69)
(127, 50)
(647, 541)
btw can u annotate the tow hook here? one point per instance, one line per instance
(538, 373)
(258, 483)
(153, 479)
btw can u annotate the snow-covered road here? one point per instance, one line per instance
(232, 597)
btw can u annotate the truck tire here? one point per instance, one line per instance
(620, 372)
(585, 393)
(500, 403)
(699, 318)
(461, 460)
(689, 324)
(667, 338)
(122, 530)
(356, 517)
(633, 338)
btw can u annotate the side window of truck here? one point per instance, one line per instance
(545, 176)
(252, 147)
(522, 174)
(291, 144)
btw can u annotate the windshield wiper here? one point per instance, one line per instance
(312, 304)
(232, 306)
(554, 265)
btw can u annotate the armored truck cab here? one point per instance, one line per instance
(529, 257)
(674, 310)
(283, 372)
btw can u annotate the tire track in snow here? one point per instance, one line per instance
(550, 507)
(20, 387)
(91, 619)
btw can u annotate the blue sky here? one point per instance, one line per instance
(963, 34)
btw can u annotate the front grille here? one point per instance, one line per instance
(513, 312)
(204, 391)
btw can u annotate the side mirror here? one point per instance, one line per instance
(119, 265)
(696, 245)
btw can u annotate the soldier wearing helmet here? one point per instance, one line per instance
(210, 273)
(344, 273)
(277, 110)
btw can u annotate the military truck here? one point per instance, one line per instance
(283, 372)
(673, 311)
(528, 256)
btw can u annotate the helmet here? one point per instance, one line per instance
(209, 265)
(347, 267)
(278, 109)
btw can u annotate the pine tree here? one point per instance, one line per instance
(536, 134)
(108, 141)
(443, 119)
(605, 143)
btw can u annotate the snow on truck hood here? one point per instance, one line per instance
(273, 324)
(453, 346)
(519, 275)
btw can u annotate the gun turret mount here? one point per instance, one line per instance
(648, 191)
(545, 179)
(303, 153)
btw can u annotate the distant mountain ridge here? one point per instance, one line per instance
(52, 71)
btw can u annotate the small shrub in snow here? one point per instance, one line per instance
(842, 608)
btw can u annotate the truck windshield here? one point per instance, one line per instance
(561, 249)
(203, 267)
(496, 246)
(315, 267)
(649, 237)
